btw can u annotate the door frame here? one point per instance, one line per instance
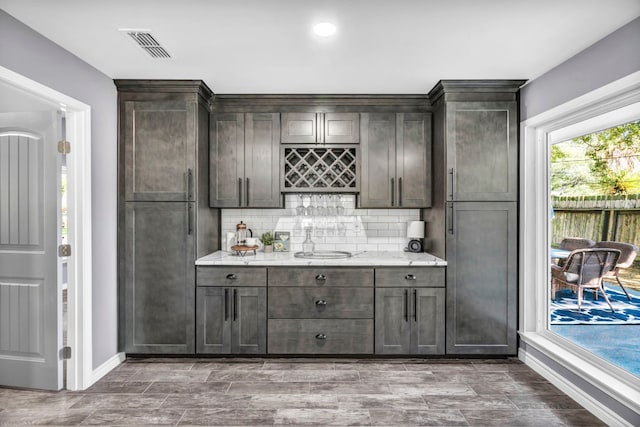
(78, 127)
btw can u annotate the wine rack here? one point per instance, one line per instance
(320, 169)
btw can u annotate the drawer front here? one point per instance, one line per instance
(320, 277)
(330, 336)
(320, 303)
(231, 276)
(430, 277)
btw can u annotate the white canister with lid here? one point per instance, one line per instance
(230, 240)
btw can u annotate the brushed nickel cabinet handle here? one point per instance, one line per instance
(321, 302)
(451, 176)
(450, 219)
(190, 219)
(410, 277)
(190, 184)
(321, 277)
(321, 336)
(232, 276)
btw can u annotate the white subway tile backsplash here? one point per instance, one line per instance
(356, 230)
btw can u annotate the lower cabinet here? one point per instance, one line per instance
(320, 311)
(410, 320)
(231, 319)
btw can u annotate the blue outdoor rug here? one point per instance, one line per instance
(564, 309)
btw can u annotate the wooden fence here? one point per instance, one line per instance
(597, 218)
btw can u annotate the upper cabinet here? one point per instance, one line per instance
(396, 160)
(315, 128)
(159, 150)
(245, 160)
(482, 155)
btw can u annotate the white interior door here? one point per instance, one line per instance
(30, 289)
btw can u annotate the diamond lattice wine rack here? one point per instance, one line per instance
(320, 169)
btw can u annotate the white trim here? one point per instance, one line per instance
(79, 332)
(105, 368)
(535, 233)
(591, 404)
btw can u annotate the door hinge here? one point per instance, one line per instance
(64, 147)
(64, 250)
(66, 352)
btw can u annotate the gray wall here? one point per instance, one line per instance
(30, 54)
(609, 59)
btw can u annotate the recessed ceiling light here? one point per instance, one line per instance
(324, 29)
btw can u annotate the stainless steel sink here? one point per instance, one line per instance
(324, 255)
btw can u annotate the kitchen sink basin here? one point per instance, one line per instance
(324, 255)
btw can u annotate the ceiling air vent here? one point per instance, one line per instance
(149, 43)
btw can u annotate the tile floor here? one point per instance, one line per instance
(325, 392)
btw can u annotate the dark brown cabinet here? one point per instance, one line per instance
(231, 310)
(396, 160)
(410, 319)
(164, 222)
(314, 128)
(245, 160)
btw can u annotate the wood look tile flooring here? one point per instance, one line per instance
(300, 392)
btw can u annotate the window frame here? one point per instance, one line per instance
(610, 105)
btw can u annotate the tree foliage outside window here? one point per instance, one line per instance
(600, 163)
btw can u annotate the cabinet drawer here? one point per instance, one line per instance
(231, 276)
(320, 303)
(310, 336)
(415, 277)
(316, 276)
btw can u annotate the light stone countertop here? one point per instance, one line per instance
(363, 258)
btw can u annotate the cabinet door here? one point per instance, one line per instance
(482, 151)
(378, 166)
(159, 150)
(159, 279)
(427, 327)
(392, 323)
(249, 325)
(481, 252)
(213, 320)
(262, 161)
(226, 174)
(299, 128)
(341, 128)
(413, 167)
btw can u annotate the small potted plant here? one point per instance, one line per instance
(267, 241)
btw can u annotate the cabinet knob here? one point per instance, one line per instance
(321, 277)
(232, 276)
(321, 337)
(321, 302)
(410, 277)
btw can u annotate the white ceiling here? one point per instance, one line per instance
(381, 46)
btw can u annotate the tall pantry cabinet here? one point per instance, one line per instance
(473, 222)
(164, 219)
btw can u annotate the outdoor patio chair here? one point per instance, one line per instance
(584, 269)
(573, 243)
(628, 253)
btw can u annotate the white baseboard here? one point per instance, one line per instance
(592, 405)
(105, 368)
